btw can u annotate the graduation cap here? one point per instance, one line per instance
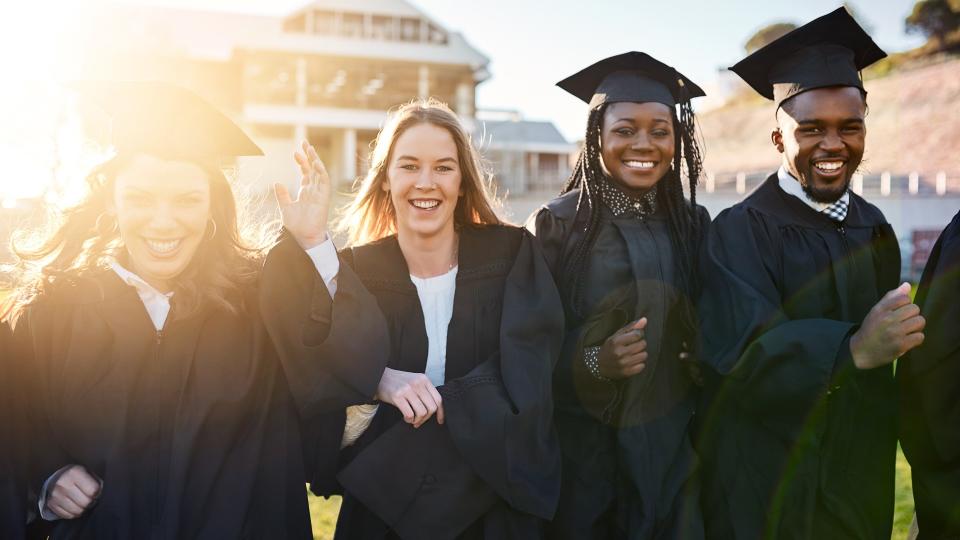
(633, 76)
(166, 121)
(827, 51)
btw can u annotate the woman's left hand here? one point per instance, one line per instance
(306, 216)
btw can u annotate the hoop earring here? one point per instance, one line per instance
(212, 233)
(102, 222)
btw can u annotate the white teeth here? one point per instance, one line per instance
(163, 246)
(425, 204)
(829, 165)
(640, 164)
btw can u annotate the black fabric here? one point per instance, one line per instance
(828, 51)
(193, 429)
(929, 378)
(13, 449)
(632, 76)
(628, 462)
(796, 442)
(164, 120)
(492, 469)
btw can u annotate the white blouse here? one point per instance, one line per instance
(436, 301)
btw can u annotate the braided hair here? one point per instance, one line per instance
(682, 217)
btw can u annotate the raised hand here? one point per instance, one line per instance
(306, 216)
(893, 327)
(73, 493)
(624, 354)
(412, 393)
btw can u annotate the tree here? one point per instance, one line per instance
(768, 34)
(936, 19)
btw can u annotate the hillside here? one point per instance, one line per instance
(913, 125)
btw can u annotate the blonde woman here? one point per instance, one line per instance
(461, 443)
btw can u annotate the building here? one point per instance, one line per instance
(526, 155)
(328, 72)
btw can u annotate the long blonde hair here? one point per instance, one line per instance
(76, 243)
(371, 216)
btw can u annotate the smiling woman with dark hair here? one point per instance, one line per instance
(156, 406)
(621, 241)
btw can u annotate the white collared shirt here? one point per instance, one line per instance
(792, 186)
(323, 256)
(436, 301)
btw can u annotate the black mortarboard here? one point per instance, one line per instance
(827, 51)
(165, 120)
(634, 76)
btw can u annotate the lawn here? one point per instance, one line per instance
(324, 512)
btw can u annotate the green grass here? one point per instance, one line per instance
(903, 499)
(323, 512)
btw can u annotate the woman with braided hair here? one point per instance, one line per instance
(621, 241)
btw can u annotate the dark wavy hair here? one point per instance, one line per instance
(682, 214)
(73, 245)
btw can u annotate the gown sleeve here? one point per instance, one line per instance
(551, 234)
(767, 360)
(929, 380)
(13, 491)
(40, 455)
(498, 440)
(333, 350)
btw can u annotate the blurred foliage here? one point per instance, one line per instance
(938, 20)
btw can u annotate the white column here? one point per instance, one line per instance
(464, 105)
(741, 182)
(856, 184)
(914, 183)
(349, 156)
(534, 171)
(423, 86)
(311, 24)
(885, 184)
(301, 81)
(711, 182)
(941, 183)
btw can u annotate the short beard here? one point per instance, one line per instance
(825, 195)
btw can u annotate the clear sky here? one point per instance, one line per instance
(531, 45)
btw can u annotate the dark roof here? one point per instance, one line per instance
(521, 131)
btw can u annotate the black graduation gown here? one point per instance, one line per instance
(929, 378)
(796, 442)
(13, 491)
(492, 470)
(192, 430)
(628, 461)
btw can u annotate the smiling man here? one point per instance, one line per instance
(802, 315)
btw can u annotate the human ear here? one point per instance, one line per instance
(776, 137)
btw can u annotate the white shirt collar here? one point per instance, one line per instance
(792, 186)
(157, 303)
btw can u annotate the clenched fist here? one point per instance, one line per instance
(893, 327)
